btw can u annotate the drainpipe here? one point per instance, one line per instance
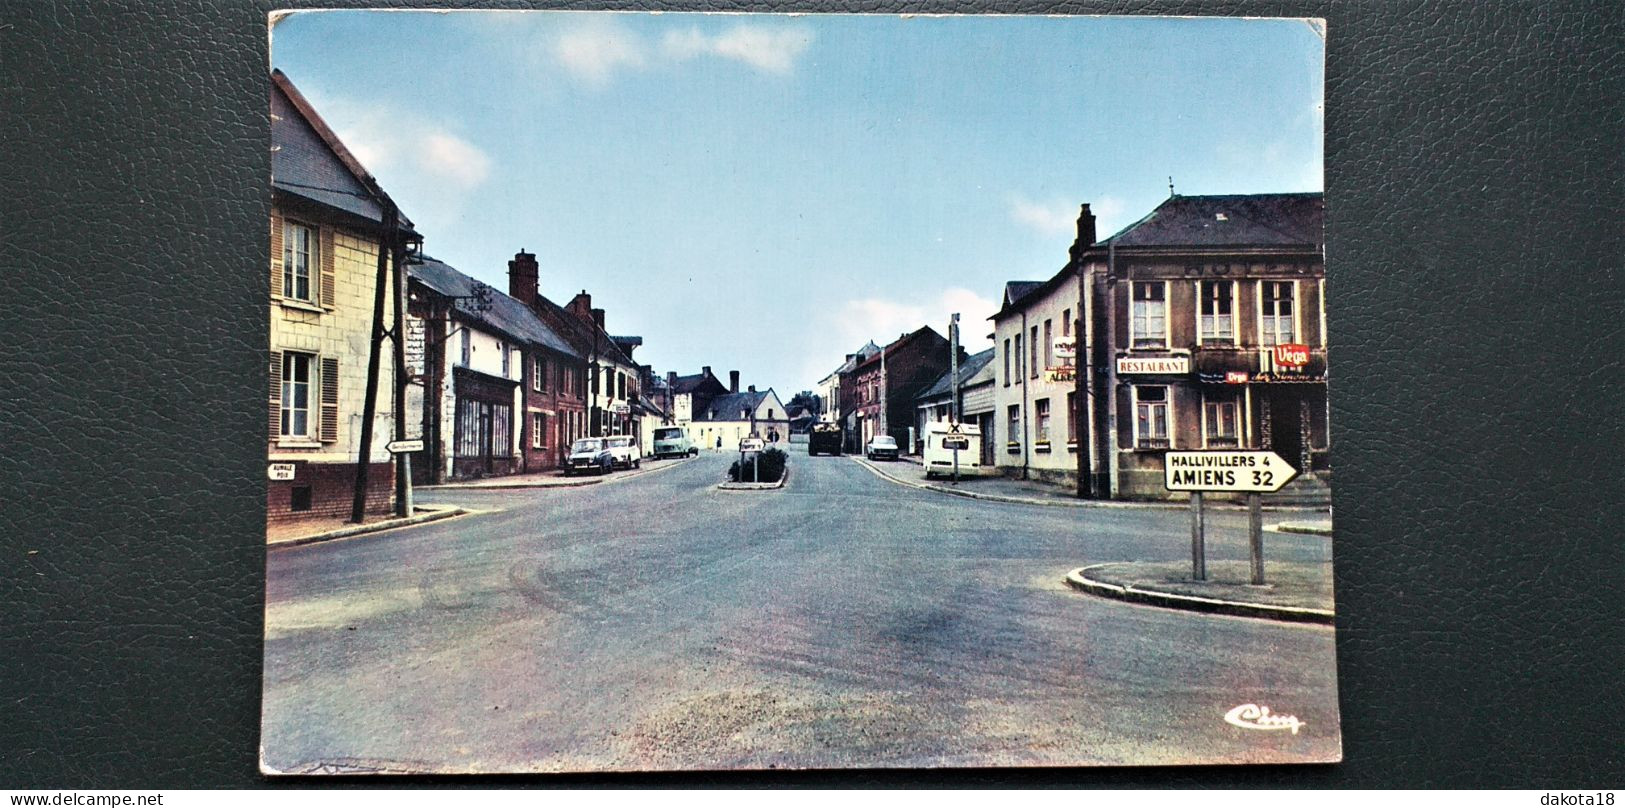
(1026, 445)
(1110, 444)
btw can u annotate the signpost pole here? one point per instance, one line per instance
(956, 463)
(756, 467)
(1198, 540)
(1255, 536)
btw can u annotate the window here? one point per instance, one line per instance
(1032, 347)
(1014, 430)
(1072, 419)
(620, 385)
(1276, 315)
(1020, 368)
(538, 379)
(769, 413)
(1148, 316)
(467, 346)
(1049, 346)
(1066, 323)
(1151, 417)
(1219, 421)
(1041, 416)
(502, 349)
(296, 372)
(538, 430)
(298, 254)
(1006, 361)
(1218, 323)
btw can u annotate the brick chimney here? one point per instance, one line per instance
(733, 381)
(581, 305)
(706, 371)
(753, 388)
(671, 380)
(1086, 232)
(523, 274)
(598, 317)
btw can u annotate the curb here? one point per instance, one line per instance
(1073, 503)
(512, 486)
(783, 480)
(434, 515)
(1077, 579)
(1308, 530)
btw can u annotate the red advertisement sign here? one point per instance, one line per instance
(1235, 377)
(1292, 355)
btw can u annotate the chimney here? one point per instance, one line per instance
(1086, 232)
(522, 278)
(753, 388)
(671, 380)
(581, 305)
(706, 371)
(733, 381)
(598, 317)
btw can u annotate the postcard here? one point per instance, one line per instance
(681, 391)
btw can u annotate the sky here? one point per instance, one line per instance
(768, 192)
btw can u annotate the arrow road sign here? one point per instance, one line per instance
(751, 445)
(400, 446)
(1260, 472)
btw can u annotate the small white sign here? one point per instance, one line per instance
(1246, 471)
(1066, 348)
(402, 446)
(1158, 364)
(281, 471)
(956, 442)
(751, 445)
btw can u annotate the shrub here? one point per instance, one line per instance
(770, 465)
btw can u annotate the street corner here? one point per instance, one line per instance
(1298, 592)
(297, 533)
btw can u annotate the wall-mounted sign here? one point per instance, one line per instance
(1161, 364)
(416, 340)
(1066, 348)
(281, 471)
(1235, 377)
(621, 409)
(1291, 355)
(1062, 374)
(404, 446)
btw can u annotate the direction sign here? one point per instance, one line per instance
(1246, 471)
(956, 442)
(280, 471)
(401, 446)
(751, 445)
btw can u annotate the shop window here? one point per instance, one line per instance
(1148, 316)
(1218, 319)
(1220, 421)
(1151, 417)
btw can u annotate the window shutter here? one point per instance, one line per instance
(329, 287)
(276, 395)
(276, 255)
(330, 399)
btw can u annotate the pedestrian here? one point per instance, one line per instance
(719, 442)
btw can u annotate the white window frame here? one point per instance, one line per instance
(312, 261)
(288, 412)
(537, 421)
(1049, 343)
(507, 364)
(1322, 312)
(1208, 438)
(1297, 309)
(1042, 416)
(1167, 334)
(538, 373)
(1142, 441)
(467, 345)
(1201, 298)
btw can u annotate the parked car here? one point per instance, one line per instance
(589, 454)
(623, 452)
(824, 437)
(881, 446)
(672, 441)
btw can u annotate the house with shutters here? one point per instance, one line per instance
(327, 219)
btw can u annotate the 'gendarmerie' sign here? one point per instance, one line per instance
(1158, 364)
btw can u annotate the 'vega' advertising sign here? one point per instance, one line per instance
(1245, 471)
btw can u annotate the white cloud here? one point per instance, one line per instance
(595, 51)
(1050, 218)
(771, 49)
(882, 320)
(453, 159)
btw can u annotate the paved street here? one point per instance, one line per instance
(657, 622)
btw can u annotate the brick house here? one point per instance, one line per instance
(1209, 332)
(327, 219)
(888, 382)
(555, 377)
(612, 379)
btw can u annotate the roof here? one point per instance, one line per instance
(1014, 292)
(688, 384)
(968, 370)
(309, 161)
(728, 403)
(1229, 220)
(892, 346)
(506, 314)
(587, 338)
(869, 349)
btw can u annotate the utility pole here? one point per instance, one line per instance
(403, 460)
(884, 426)
(369, 407)
(953, 369)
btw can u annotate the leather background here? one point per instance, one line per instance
(1475, 208)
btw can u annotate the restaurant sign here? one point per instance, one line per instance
(1161, 365)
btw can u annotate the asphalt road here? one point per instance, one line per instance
(844, 621)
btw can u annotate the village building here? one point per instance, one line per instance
(687, 395)
(829, 387)
(1036, 405)
(734, 416)
(883, 387)
(934, 404)
(327, 223)
(612, 378)
(1210, 333)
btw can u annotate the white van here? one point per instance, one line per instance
(939, 459)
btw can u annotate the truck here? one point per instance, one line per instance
(940, 440)
(824, 437)
(672, 441)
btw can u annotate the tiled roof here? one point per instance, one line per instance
(586, 337)
(897, 343)
(309, 161)
(1014, 291)
(728, 405)
(972, 366)
(1229, 220)
(506, 314)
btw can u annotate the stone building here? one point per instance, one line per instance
(882, 387)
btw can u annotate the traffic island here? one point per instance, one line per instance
(732, 486)
(1294, 591)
